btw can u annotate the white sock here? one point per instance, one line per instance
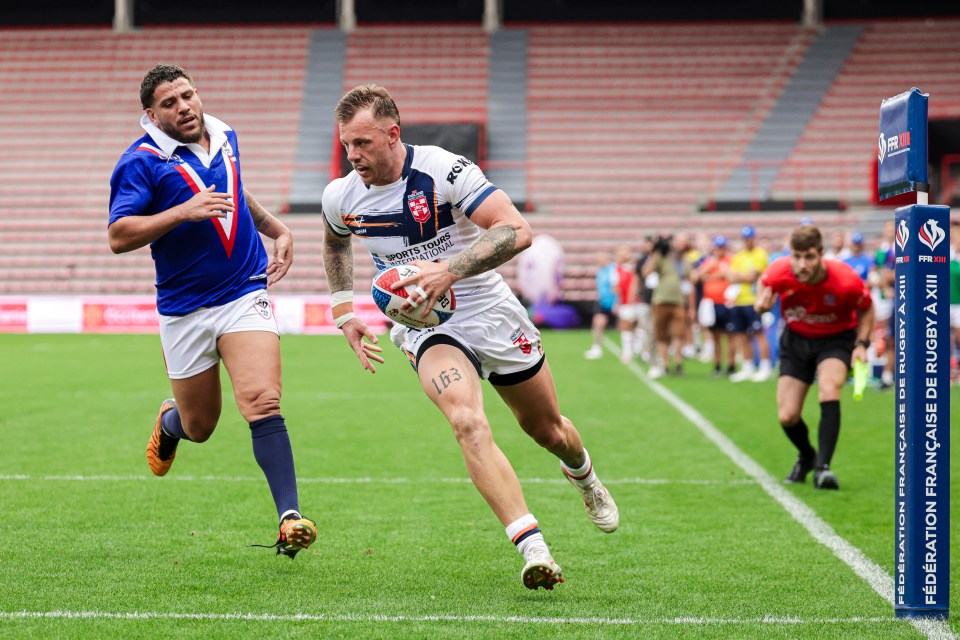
(582, 475)
(626, 344)
(290, 512)
(525, 533)
(764, 365)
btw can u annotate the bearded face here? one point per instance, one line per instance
(177, 111)
(807, 264)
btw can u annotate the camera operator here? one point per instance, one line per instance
(669, 321)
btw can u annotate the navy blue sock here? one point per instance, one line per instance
(271, 448)
(170, 423)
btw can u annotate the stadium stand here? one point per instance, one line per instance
(630, 126)
(427, 86)
(628, 129)
(836, 153)
(779, 132)
(442, 78)
(68, 109)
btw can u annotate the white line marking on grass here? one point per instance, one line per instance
(871, 572)
(335, 617)
(358, 480)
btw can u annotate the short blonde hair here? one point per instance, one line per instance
(367, 95)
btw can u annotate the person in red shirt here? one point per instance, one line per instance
(828, 314)
(712, 273)
(626, 308)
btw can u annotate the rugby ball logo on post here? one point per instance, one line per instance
(389, 301)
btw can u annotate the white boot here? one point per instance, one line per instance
(746, 372)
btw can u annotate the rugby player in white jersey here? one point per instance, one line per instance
(426, 206)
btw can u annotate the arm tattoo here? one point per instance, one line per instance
(338, 261)
(491, 250)
(261, 217)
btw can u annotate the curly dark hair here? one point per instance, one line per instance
(157, 76)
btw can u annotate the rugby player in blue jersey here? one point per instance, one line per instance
(179, 189)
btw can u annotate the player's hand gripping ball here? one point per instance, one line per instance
(389, 300)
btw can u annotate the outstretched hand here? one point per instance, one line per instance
(363, 342)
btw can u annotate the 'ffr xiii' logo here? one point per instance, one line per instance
(902, 235)
(931, 235)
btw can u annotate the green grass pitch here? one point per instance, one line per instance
(93, 546)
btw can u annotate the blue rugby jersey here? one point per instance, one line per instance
(198, 264)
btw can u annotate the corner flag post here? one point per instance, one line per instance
(922, 367)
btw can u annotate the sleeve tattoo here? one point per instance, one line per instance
(493, 248)
(338, 261)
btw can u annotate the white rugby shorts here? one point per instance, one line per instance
(190, 342)
(501, 341)
(628, 312)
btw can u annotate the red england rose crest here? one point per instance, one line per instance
(518, 338)
(419, 207)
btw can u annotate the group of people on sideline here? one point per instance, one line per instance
(678, 297)
(825, 305)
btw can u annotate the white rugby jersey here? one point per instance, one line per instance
(425, 215)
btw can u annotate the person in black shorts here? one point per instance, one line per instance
(828, 314)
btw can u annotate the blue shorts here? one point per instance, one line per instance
(722, 313)
(605, 310)
(744, 319)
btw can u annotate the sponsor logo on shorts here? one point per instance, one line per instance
(416, 335)
(262, 305)
(520, 339)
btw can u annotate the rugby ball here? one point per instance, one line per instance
(389, 301)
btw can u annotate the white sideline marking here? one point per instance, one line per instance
(871, 572)
(358, 480)
(335, 617)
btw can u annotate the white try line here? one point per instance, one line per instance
(871, 572)
(357, 480)
(337, 617)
